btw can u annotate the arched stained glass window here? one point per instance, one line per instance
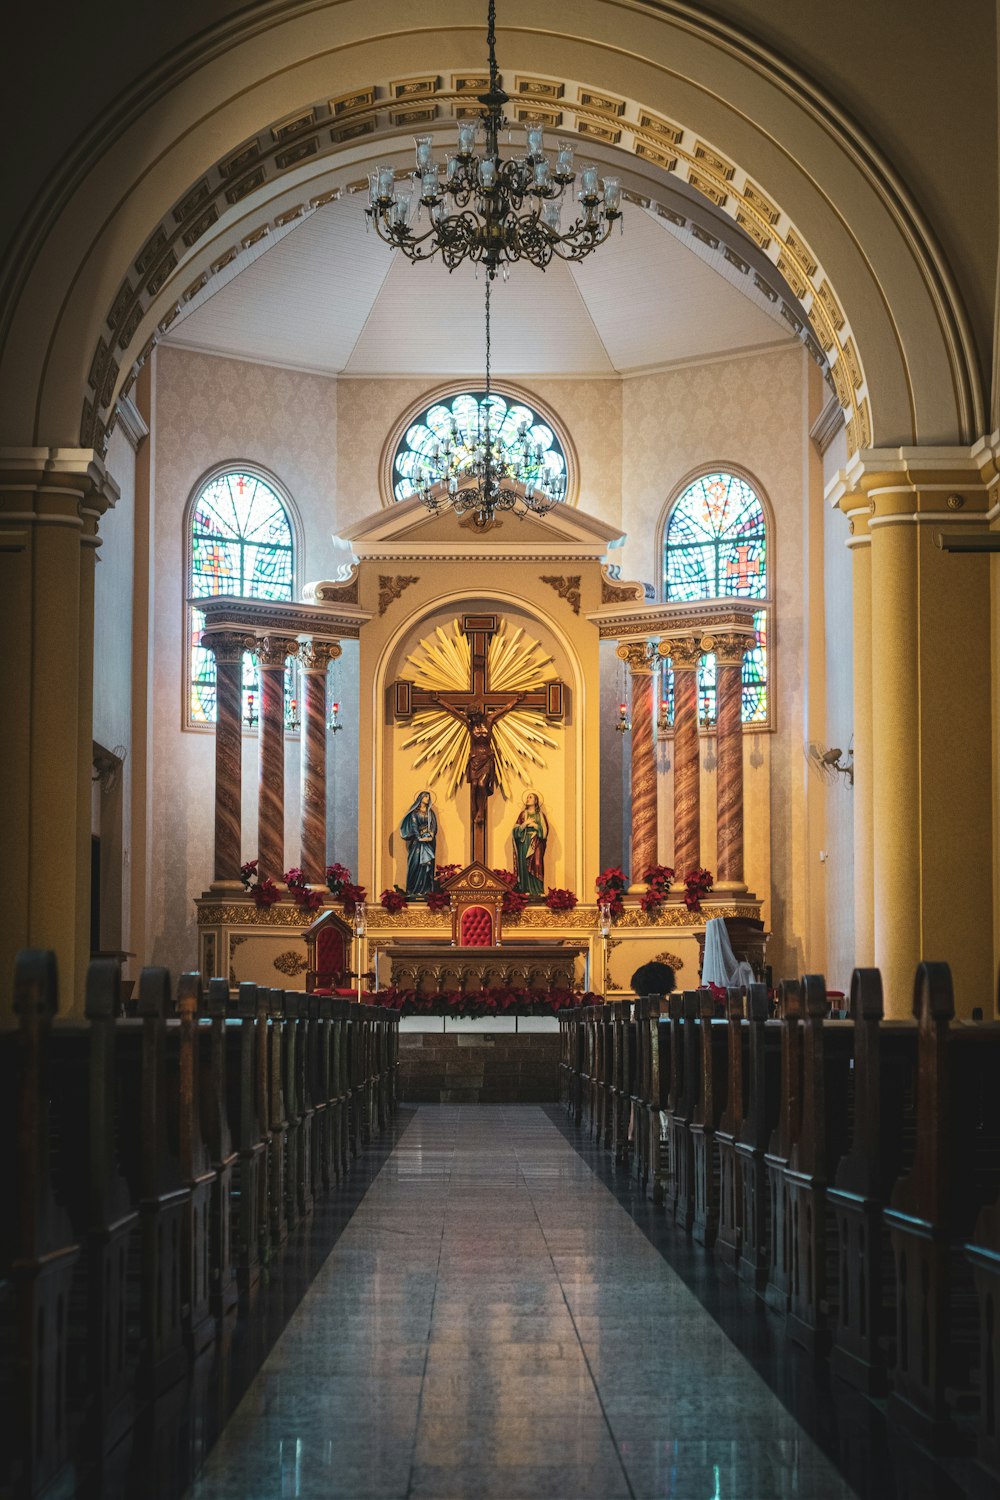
(241, 544)
(715, 547)
(467, 409)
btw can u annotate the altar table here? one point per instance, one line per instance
(436, 967)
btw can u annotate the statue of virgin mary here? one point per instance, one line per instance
(419, 829)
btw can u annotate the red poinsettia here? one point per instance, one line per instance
(265, 892)
(438, 901)
(697, 883)
(444, 873)
(659, 879)
(609, 882)
(560, 900)
(298, 889)
(491, 1002)
(352, 897)
(337, 877)
(509, 877)
(394, 900)
(513, 903)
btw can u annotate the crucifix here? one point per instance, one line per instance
(479, 708)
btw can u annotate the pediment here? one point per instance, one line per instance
(409, 530)
(476, 880)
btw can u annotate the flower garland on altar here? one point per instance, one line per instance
(491, 1002)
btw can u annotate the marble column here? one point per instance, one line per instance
(729, 649)
(685, 653)
(641, 658)
(228, 647)
(315, 657)
(271, 652)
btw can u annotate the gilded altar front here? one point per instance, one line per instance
(438, 968)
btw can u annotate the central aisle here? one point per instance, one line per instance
(492, 1323)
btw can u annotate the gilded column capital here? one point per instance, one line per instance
(227, 645)
(684, 651)
(638, 654)
(316, 656)
(730, 647)
(273, 650)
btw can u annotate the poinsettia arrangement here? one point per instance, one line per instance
(491, 1002)
(658, 879)
(261, 888)
(509, 877)
(697, 883)
(394, 900)
(444, 873)
(337, 876)
(560, 900)
(438, 901)
(352, 896)
(513, 903)
(298, 889)
(610, 886)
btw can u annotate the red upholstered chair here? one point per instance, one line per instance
(328, 943)
(476, 929)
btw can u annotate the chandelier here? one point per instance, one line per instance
(471, 469)
(489, 210)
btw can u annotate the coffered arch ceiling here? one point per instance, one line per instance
(219, 152)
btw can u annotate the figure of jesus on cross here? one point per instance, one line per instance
(479, 708)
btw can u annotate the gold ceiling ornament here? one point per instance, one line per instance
(442, 663)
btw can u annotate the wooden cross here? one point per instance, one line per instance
(478, 708)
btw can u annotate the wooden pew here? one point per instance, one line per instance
(277, 1123)
(881, 1149)
(762, 1091)
(321, 1088)
(983, 1253)
(213, 1066)
(827, 1075)
(786, 1132)
(933, 1210)
(729, 1234)
(39, 1250)
(196, 1166)
(712, 1044)
(622, 1056)
(685, 1069)
(246, 1094)
(660, 1066)
(294, 1111)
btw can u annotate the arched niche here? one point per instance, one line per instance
(91, 284)
(561, 783)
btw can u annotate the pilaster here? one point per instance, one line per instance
(640, 657)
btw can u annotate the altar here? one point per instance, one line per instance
(430, 967)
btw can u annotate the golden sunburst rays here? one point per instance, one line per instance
(442, 663)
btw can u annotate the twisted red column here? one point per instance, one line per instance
(228, 649)
(271, 654)
(685, 656)
(729, 753)
(644, 819)
(315, 658)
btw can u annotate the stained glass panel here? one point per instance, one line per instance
(716, 547)
(469, 410)
(241, 544)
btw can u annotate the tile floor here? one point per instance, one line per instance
(491, 1323)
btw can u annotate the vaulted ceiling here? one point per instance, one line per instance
(328, 296)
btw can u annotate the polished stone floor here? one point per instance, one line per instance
(492, 1323)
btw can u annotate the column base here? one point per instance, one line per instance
(226, 885)
(735, 887)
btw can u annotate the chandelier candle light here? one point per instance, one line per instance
(500, 210)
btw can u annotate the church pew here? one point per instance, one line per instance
(213, 1067)
(683, 1096)
(277, 1124)
(881, 1149)
(182, 1045)
(760, 1119)
(87, 1125)
(245, 1093)
(983, 1254)
(777, 1290)
(827, 1075)
(341, 1066)
(729, 1233)
(622, 1052)
(296, 1188)
(660, 1087)
(932, 1214)
(603, 1119)
(39, 1249)
(321, 1085)
(712, 1043)
(646, 1009)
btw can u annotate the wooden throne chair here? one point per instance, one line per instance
(328, 946)
(476, 907)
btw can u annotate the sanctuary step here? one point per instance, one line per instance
(478, 1067)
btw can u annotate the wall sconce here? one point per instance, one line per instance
(833, 763)
(250, 717)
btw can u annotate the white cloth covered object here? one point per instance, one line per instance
(721, 966)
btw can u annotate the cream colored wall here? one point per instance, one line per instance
(113, 584)
(838, 869)
(752, 412)
(209, 411)
(589, 409)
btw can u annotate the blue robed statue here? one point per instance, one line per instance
(419, 829)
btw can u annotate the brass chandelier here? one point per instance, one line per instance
(493, 211)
